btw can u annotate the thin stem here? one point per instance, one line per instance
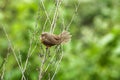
(42, 65)
(13, 50)
(53, 25)
(56, 70)
(45, 11)
(4, 65)
(30, 51)
(76, 9)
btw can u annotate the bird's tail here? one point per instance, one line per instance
(65, 37)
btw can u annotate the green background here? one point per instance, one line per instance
(92, 54)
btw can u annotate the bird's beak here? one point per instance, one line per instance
(40, 38)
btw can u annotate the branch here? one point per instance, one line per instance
(13, 50)
(53, 25)
(76, 9)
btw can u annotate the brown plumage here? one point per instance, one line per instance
(49, 39)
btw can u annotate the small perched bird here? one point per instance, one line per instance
(49, 39)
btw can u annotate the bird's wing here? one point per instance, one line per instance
(48, 42)
(53, 39)
(56, 37)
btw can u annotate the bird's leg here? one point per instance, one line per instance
(48, 51)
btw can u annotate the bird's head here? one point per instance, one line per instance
(43, 35)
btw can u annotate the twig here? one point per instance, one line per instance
(53, 25)
(30, 51)
(42, 65)
(20, 57)
(13, 50)
(56, 70)
(50, 62)
(3, 71)
(44, 26)
(45, 11)
(76, 9)
(4, 65)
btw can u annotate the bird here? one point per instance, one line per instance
(50, 39)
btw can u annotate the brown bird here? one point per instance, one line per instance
(49, 39)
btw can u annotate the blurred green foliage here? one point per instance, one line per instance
(92, 54)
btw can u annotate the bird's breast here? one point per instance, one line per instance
(47, 43)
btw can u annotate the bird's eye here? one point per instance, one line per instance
(43, 36)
